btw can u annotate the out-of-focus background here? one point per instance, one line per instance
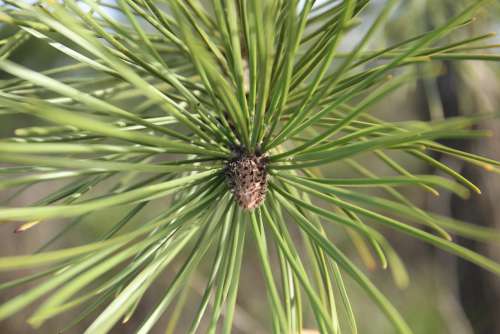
(445, 295)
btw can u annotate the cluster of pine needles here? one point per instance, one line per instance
(155, 100)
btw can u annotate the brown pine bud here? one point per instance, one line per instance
(247, 179)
